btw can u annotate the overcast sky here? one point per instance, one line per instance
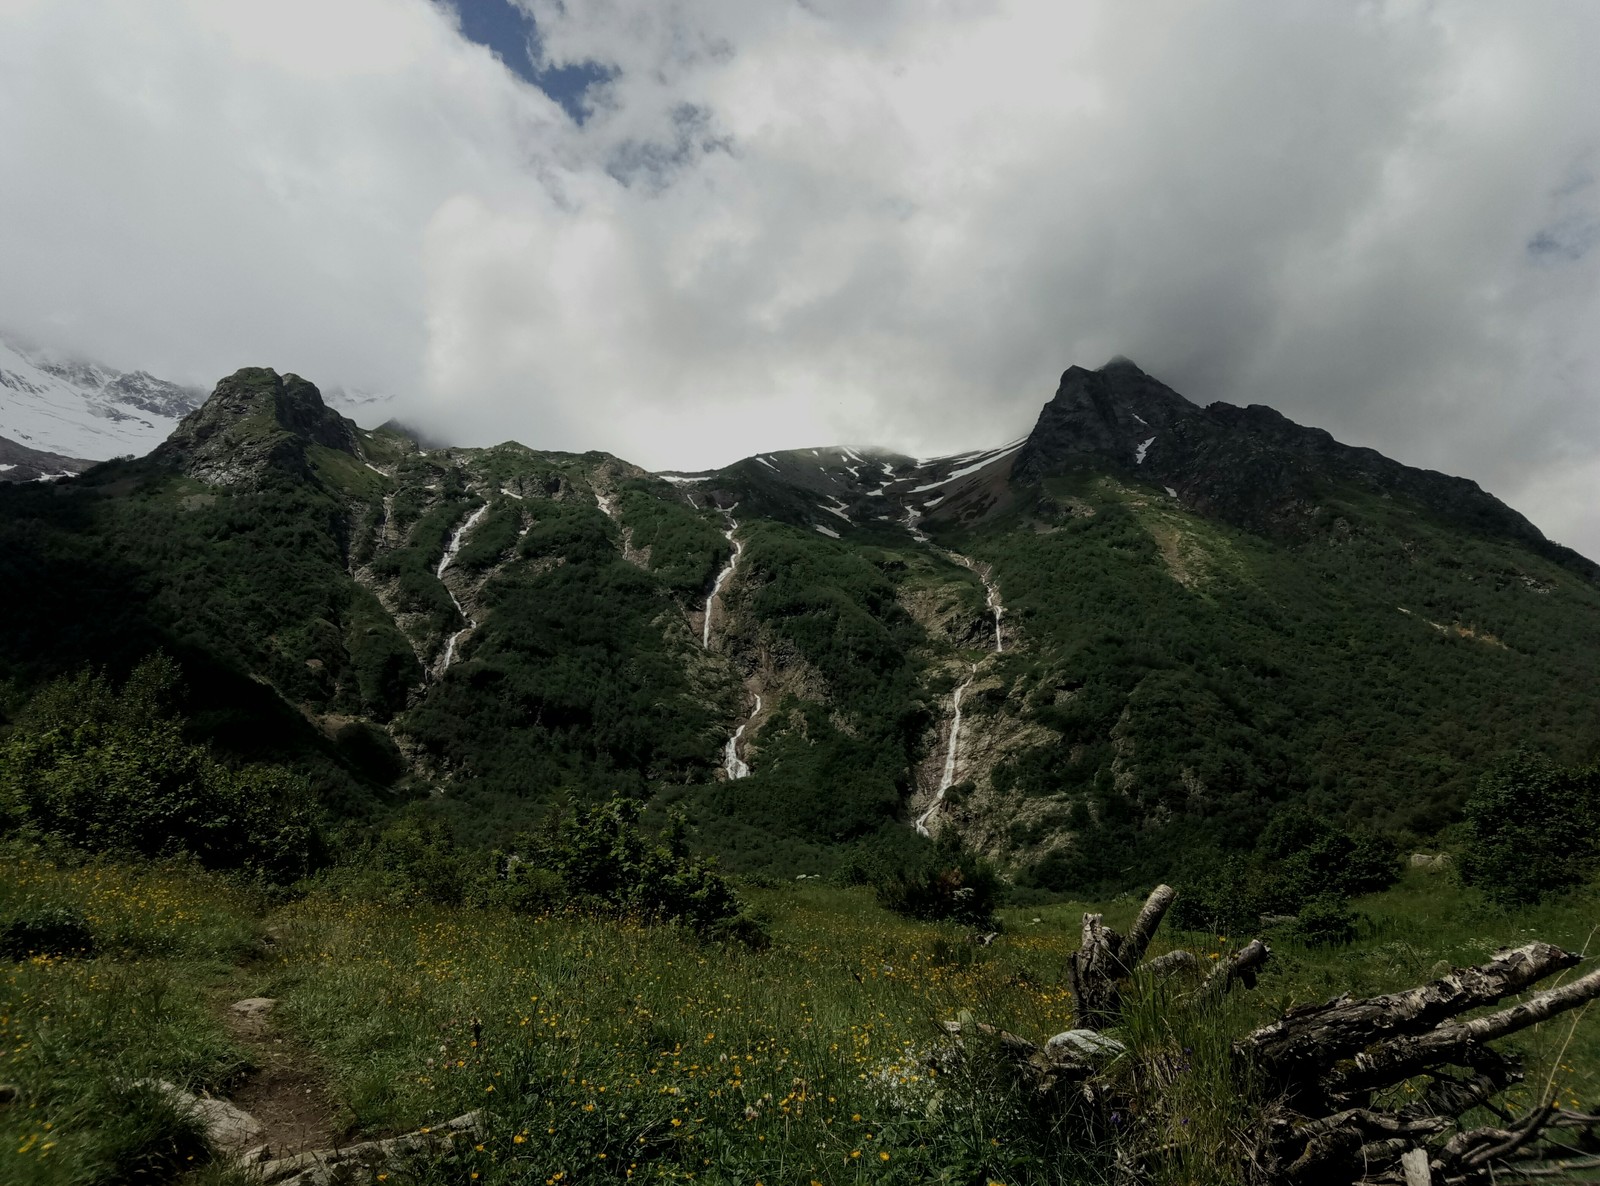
(687, 230)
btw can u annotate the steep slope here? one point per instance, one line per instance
(1125, 640)
(1251, 467)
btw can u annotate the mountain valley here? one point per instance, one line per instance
(1161, 624)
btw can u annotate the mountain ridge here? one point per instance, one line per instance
(781, 647)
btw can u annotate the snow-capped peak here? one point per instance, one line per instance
(85, 409)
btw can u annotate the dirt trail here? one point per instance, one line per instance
(286, 1091)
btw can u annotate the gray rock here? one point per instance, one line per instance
(328, 1166)
(230, 1129)
(1083, 1048)
(1430, 861)
(253, 1008)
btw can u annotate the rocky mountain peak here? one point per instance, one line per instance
(1252, 467)
(1111, 413)
(255, 421)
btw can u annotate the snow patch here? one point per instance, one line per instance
(680, 480)
(768, 464)
(827, 531)
(986, 459)
(1170, 491)
(1138, 454)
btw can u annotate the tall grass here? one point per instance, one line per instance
(604, 1051)
(75, 1034)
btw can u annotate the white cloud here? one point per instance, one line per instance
(789, 224)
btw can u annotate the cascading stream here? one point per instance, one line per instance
(732, 764)
(450, 550)
(948, 778)
(722, 577)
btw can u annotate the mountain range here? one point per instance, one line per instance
(1118, 644)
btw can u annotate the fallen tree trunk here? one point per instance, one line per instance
(1326, 1065)
(1327, 1076)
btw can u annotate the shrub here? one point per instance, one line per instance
(606, 862)
(1325, 921)
(1300, 858)
(956, 885)
(108, 769)
(1531, 829)
(47, 930)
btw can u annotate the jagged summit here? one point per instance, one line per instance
(255, 421)
(1252, 467)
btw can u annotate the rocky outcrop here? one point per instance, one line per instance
(358, 1162)
(1251, 467)
(230, 1131)
(255, 424)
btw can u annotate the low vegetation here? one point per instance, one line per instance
(601, 1047)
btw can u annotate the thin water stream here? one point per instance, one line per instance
(722, 577)
(735, 766)
(948, 778)
(450, 550)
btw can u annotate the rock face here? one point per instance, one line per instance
(360, 1162)
(255, 423)
(231, 1130)
(1251, 467)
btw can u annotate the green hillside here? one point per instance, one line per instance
(501, 630)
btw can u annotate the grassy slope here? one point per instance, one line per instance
(609, 1048)
(1189, 707)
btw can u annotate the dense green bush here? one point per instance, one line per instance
(1325, 921)
(108, 769)
(606, 862)
(598, 860)
(1532, 828)
(953, 884)
(46, 930)
(1300, 859)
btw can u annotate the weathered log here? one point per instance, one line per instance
(1239, 968)
(1319, 1034)
(1144, 927)
(1399, 1058)
(1325, 1062)
(1173, 961)
(1104, 960)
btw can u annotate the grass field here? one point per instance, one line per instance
(610, 1051)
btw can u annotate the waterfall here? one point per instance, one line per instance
(999, 611)
(948, 778)
(722, 577)
(450, 550)
(731, 762)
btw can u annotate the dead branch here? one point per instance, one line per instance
(1325, 1062)
(1342, 1026)
(1144, 927)
(1239, 968)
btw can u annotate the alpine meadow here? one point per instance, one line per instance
(1172, 795)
